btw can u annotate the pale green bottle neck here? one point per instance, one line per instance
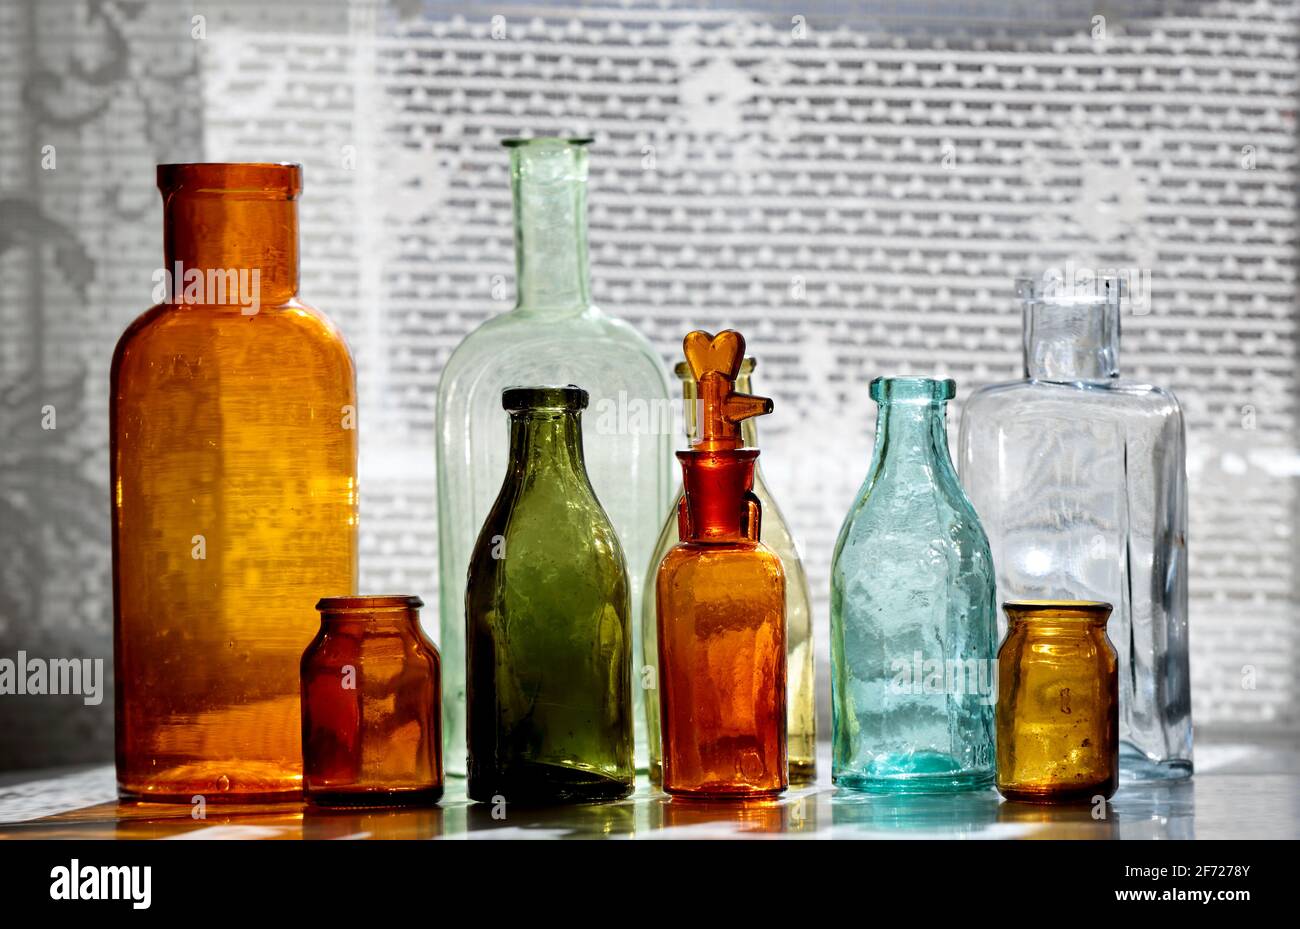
(549, 181)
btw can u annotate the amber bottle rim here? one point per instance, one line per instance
(369, 604)
(254, 180)
(1056, 611)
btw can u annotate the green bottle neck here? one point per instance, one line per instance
(549, 182)
(546, 442)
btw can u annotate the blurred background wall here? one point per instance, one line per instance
(853, 185)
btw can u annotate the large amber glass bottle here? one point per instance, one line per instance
(234, 493)
(548, 622)
(721, 605)
(801, 708)
(1058, 703)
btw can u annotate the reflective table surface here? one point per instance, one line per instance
(1247, 791)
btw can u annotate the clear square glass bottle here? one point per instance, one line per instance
(1079, 478)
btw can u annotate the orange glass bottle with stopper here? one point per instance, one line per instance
(721, 604)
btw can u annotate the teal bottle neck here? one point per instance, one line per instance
(549, 182)
(911, 431)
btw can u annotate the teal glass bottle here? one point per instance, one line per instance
(548, 628)
(913, 616)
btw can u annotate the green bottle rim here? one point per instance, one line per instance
(567, 397)
(547, 141)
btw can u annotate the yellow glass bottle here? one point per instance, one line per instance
(1058, 703)
(233, 460)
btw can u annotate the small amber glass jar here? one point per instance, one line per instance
(1058, 703)
(371, 705)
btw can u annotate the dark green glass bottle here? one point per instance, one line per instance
(548, 622)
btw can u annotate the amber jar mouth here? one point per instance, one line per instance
(369, 604)
(1057, 611)
(232, 179)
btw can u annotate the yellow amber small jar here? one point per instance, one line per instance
(1058, 703)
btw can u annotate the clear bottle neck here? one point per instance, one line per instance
(549, 182)
(1071, 335)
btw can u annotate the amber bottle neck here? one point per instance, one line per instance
(238, 240)
(718, 503)
(691, 403)
(1082, 617)
(371, 624)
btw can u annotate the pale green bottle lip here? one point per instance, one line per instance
(932, 389)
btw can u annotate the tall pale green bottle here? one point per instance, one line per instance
(554, 335)
(548, 620)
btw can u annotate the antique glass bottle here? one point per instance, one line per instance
(912, 612)
(234, 493)
(548, 622)
(1058, 703)
(1080, 478)
(801, 707)
(371, 705)
(721, 605)
(554, 335)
